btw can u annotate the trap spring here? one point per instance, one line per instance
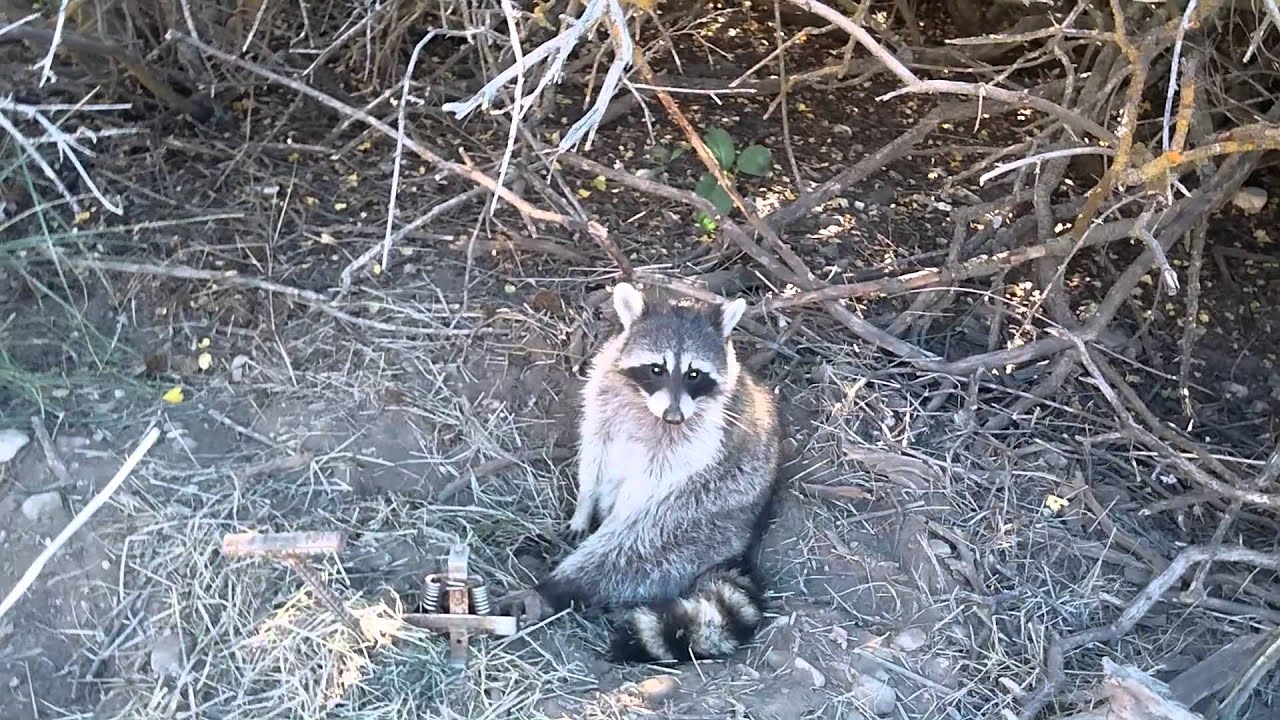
(464, 598)
(457, 602)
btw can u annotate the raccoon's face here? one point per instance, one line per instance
(677, 354)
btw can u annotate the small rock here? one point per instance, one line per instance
(167, 656)
(656, 689)
(1250, 200)
(42, 507)
(940, 670)
(909, 640)
(874, 695)
(11, 441)
(777, 659)
(939, 548)
(815, 675)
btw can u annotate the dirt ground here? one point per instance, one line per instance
(917, 567)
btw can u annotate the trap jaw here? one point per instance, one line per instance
(458, 601)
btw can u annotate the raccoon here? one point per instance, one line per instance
(677, 474)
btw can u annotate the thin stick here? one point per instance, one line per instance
(46, 66)
(595, 229)
(51, 454)
(79, 520)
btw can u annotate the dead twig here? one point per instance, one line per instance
(1059, 648)
(592, 228)
(51, 453)
(79, 520)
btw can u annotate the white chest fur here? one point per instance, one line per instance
(639, 473)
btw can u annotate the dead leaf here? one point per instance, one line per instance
(837, 492)
(909, 471)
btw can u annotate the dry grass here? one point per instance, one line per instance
(431, 401)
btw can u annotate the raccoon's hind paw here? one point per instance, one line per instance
(528, 605)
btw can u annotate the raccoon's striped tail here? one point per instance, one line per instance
(722, 612)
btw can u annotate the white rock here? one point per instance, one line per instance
(909, 640)
(45, 506)
(874, 695)
(1250, 200)
(815, 675)
(11, 441)
(167, 656)
(939, 548)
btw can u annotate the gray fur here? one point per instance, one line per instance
(674, 501)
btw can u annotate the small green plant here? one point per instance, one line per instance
(754, 160)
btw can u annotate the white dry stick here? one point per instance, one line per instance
(18, 23)
(368, 255)
(34, 153)
(46, 66)
(556, 52)
(1273, 11)
(1066, 152)
(623, 49)
(398, 160)
(517, 101)
(1173, 73)
(79, 520)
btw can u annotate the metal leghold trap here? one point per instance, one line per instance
(457, 602)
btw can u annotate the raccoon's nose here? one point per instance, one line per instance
(672, 415)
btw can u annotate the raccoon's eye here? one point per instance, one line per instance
(693, 375)
(657, 369)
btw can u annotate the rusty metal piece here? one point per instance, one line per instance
(326, 597)
(292, 549)
(459, 602)
(279, 545)
(504, 625)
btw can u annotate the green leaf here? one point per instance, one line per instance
(755, 160)
(708, 188)
(676, 152)
(705, 221)
(721, 146)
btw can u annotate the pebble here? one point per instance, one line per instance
(909, 640)
(656, 689)
(874, 695)
(11, 441)
(42, 507)
(940, 548)
(167, 656)
(1250, 200)
(777, 659)
(815, 675)
(939, 670)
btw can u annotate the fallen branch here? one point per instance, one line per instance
(234, 279)
(592, 228)
(79, 520)
(1059, 648)
(795, 271)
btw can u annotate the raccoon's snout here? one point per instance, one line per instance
(672, 415)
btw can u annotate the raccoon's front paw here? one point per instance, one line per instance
(574, 533)
(578, 529)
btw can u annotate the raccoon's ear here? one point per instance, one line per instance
(730, 314)
(628, 303)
